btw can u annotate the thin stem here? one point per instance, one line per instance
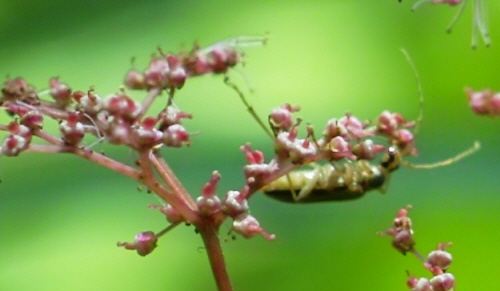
(167, 229)
(152, 94)
(248, 106)
(209, 233)
(456, 17)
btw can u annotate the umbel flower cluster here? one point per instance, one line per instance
(359, 156)
(437, 262)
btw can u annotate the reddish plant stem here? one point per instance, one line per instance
(48, 137)
(209, 233)
(173, 197)
(106, 162)
(170, 178)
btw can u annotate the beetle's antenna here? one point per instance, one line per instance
(446, 162)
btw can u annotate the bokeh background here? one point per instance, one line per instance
(60, 216)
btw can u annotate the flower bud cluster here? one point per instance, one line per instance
(116, 118)
(485, 102)
(170, 71)
(234, 205)
(437, 262)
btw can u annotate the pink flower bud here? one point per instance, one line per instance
(421, 284)
(235, 204)
(60, 92)
(177, 74)
(172, 215)
(72, 129)
(355, 129)
(147, 136)
(288, 146)
(403, 241)
(144, 244)
(135, 80)
(18, 89)
(13, 145)
(122, 106)
(443, 282)
(172, 115)
(18, 140)
(248, 226)
(89, 102)
(339, 149)
(484, 102)
(367, 150)
(209, 203)
(175, 136)
(155, 75)
(281, 118)
(32, 119)
(440, 257)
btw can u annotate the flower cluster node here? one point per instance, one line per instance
(248, 226)
(144, 243)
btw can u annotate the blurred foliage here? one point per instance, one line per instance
(60, 216)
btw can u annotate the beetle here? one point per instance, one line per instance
(332, 182)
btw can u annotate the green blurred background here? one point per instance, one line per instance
(60, 216)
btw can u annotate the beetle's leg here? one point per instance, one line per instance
(309, 186)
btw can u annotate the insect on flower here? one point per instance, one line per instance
(342, 179)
